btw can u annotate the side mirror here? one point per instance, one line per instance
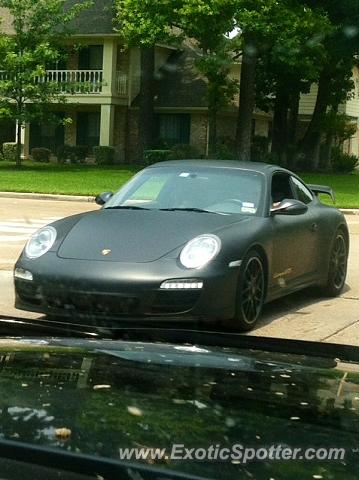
(103, 198)
(289, 207)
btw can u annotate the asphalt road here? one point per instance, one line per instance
(300, 316)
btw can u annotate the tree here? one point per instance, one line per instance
(208, 22)
(342, 45)
(289, 68)
(36, 41)
(144, 23)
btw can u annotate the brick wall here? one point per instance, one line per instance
(119, 134)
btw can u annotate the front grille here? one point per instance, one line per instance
(167, 301)
(102, 304)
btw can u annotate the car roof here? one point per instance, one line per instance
(236, 164)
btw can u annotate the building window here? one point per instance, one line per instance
(173, 129)
(91, 57)
(48, 135)
(88, 128)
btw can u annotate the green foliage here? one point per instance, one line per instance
(338, 126)
(9, 151)
(41, 154)
(343, 162)
(72, 154)
(184, 151)
(153, 156)
(104, 155)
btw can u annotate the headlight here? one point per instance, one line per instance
(40, 242)
(199, 251)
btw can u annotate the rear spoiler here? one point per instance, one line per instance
(317, 189)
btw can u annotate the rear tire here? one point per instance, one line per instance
(337, 272)
(250, 292)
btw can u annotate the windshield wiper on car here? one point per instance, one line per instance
(127, 207)
(187, 209)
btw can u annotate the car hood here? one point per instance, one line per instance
(114, 394)
(137, 236)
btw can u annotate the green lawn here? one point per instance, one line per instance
(63, 179)
(92, 179)
(346, 187)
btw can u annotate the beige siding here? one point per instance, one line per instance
(352, 106)
(307, 102)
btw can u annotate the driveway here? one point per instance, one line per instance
(300, 316)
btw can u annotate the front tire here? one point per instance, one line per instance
(337, 272)
(250, 292)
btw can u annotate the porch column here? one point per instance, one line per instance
(109, 66)
(25, 139)
(107, 125)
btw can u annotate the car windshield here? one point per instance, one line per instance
(217, 190)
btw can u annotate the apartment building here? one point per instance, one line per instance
(103, 105)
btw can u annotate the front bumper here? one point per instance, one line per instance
(94, 289)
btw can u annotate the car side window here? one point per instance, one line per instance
(281, 188)
(301, 192)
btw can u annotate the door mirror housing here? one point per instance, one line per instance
(103, 197)
(289, 207)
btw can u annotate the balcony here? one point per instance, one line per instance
(81, 82)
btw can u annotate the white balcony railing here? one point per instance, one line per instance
(76, 81)
(80, 81)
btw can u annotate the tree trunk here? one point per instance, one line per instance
(246, 101)
(312, 137)
(326, 153)
(18, 145)
(280, 126)
(212, 137)
(293, 118)
(147, 116)
(292, 128)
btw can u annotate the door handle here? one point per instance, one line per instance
(314, 227)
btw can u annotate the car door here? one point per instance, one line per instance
(294, 237)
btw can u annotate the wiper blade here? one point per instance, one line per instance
(188, 209)
(127, 207)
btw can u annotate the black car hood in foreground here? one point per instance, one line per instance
(137, 235)
(118, 394)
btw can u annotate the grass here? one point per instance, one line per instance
(92, 179)
(346, 187)
(64, 179)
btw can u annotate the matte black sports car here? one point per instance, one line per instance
(187, 239)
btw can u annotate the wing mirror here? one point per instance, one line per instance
(289, 207)
(103, 198)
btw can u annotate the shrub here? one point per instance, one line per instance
(184, 152)
(104, 155)
(74, 154)
(153, 156)
(41, 154)
(9, 151)
(81, 152)
(64, 153)
(343, 162)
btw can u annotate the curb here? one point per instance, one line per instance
(47, 196)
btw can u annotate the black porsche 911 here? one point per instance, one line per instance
(206, 240)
